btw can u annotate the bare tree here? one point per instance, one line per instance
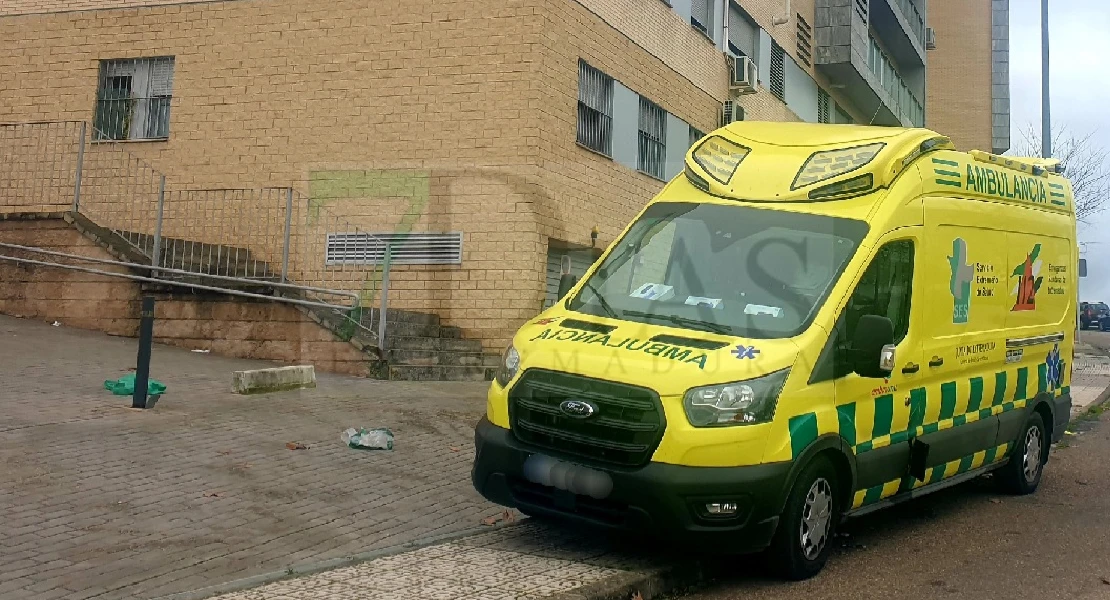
(1085, 164)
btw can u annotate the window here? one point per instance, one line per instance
(133, 99)
(823, 102)
(595, 109)
(884, 290)
(743, 34)
(701, 16)
(805, 41)
(695, 135)
(765, 272)
(778, 71)
(652, 155)
(843, 117)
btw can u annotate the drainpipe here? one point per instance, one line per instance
(728, 11)
(782, 20)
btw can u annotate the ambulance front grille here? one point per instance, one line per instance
(624, 430)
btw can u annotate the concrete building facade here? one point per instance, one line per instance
(530, 130)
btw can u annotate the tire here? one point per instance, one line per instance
(790, 556)
(1021, 476)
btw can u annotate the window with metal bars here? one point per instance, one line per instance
(805, 41)
(823, 113)
(695, 135)
(595, 109)
(652, 155)
(778, 71)
(701, 16)
(133, 99)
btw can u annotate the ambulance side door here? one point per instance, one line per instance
(965, 352)
(874, 413)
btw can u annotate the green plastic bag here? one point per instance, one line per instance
(125, 386)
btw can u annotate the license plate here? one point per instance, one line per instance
(562, 475)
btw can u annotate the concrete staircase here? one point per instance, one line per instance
(418, 346)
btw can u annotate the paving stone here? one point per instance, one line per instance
(201, 490)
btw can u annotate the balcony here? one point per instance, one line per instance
(900, 24)
(848, 54)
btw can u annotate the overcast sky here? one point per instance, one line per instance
(1079, 49)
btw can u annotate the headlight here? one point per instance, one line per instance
(740, 403)
(510, 362)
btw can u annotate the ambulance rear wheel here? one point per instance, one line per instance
(1022, 474)
(804, 536)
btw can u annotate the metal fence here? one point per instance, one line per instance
(39, 166)
(274, 237)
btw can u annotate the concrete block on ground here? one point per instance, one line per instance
(261, 381)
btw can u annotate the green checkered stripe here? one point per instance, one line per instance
(1012, 390)
(932, 475)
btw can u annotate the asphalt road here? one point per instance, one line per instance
(969, 541)
(1098, 339)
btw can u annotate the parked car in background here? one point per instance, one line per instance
(1093, 313)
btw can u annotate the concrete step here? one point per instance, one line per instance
(401, 342)
(439, 373)
(400, 316)
(435, 357)
(403, 329)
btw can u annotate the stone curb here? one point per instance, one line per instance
(296, 571)
(650, 583)
(260, 381)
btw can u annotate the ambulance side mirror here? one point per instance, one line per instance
(1082, 267)
(873, 347)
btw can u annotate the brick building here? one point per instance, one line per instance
(968, 96)
(531, 130)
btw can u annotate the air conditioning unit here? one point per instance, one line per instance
(731, 112)
(930, 38)
(743, 75)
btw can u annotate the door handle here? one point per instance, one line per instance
(911, 368)
(936, 362)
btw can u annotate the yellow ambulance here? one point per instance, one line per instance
(812, 322)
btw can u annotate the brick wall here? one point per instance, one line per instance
(958, 102)
(444, 115)
(229, 327)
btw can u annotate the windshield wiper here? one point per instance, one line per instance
(605, 306)
(677, 320)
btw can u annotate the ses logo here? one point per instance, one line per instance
(960, 283)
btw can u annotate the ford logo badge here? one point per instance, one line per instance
(577, 409)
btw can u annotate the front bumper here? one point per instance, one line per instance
(658, 500)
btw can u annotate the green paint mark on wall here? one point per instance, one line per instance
(410, 186)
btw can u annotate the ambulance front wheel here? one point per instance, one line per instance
(804, 536)
(1022, 474)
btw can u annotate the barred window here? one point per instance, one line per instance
(701, 16)
(778, 71)
(133, 99)
(595, 109)
(652, 155)
(823, 102)
(695, 135)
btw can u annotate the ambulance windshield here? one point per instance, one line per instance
(728, 269)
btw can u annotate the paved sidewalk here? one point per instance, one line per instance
(526, 561)
(1090, 377)
(101, 501)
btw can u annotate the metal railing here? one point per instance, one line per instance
(39, 166)
(263, 242)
